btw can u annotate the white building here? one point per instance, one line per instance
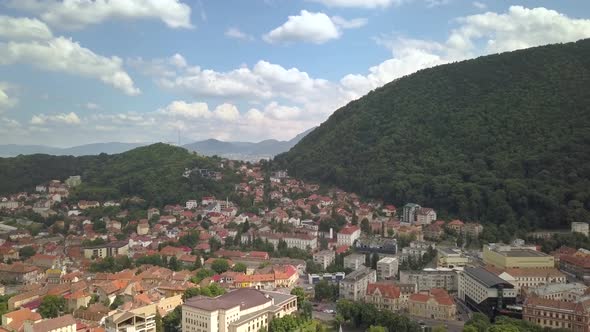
(348, 235)
(354, 261)
(387, 268)
(580, 227)
(324, 258)
(242, 310)
(192, 204)
(484, 291)
(425, 216)
(354, 286)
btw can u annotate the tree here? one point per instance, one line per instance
(173, 264)
(52, 306)
(323, 243)
(240, 267)
(300, 293)
(307, 309)
(190, 292)
(314, 209)
(283, 324)
(220, 265)
(439, 328)
(326, 291)
(366, 227)
(375, 328)
(26, 252)
(158, 320)
(171, 322)
(118, 301)
(202, 274)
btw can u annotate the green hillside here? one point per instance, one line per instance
(502, 138)
(152, 172)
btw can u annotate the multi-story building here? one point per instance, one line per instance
(525, 278)
(472, 229)
(409, 212)
(354, 261)
(241, 310)
(451, 258)
(416, 250)
(435, 304)
(387, 268)
(65, 323)
(354, 286)
(140, 319)
(570, 292)
(324, 258)
(425, 216)
(348, 235)
(426, 279)
(73, 181)
(191, 204)
(384, 296)
(19, 273)
(574, 316)
(580, 227)
(293, 240)
(577, 265)
(110, 249)
(376, 244)
(484, 291)
(507, 256)
(9, 205)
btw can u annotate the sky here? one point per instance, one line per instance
(84, 71)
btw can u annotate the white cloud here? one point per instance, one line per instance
(369, 4)
(178, 61)
(436, 3)
(64, 55)
(187, 110)
(349, 24)
(227, 112)
(6, 101)
(16, 28)
(309, 27)
(76, 14)
(479, 5)
(238, 34)
(61, 118)
(92, 106)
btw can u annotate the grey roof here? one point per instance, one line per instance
(486, 277)
(244, 297)
(358, 274)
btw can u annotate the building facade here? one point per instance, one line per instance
(387, 268)
(354, 286)
(506, 257)
(484, 291)
(574, 316)
(426, 279)
(324, 258)
(435, 304)
(354, 261)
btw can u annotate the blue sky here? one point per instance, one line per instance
(83, 71)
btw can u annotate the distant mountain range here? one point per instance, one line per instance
(235, 150)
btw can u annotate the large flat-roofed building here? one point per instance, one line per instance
(570, 292)
(507, 257)
(241, 310)
(426, 279)
(484, 291)
(387, 268)
(354, 285)
(142, 319)
(451, 258)
(525, 278)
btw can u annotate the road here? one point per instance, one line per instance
(451, 325)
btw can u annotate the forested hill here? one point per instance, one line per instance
(502, 138)
(152, 172)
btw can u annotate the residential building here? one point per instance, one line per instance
(484, 291)
(507, 256)
(570, 292)
(580, 227)
(376, 244)
(348, 235)
(140, 319)
(9, 205)
(384, 296)
(451, 258)
(191, 204)
(143, 227)
(416, 250)
(433, 232)
(425, 216)
(241, 310)
(324, 258)
(472, 229)
(330, 277)
(15, 320)
(387, 268)
(409, 212)
(110, 249)
(65, 323)
(577, 265)
(74, 181)
(354, 286)
(426, 279)
(434, 304)
(456, 226)
(294, 240)
(19, 273)
(573, 316)
(354, 261)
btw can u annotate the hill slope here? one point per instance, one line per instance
(502, 138)
(152, 172)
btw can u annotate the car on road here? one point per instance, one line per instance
(329, 311)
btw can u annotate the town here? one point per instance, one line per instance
(306, 257)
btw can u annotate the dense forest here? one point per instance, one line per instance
(501, 139)
(153, 173)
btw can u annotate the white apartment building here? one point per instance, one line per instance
(192, 204)
(141, 319)
(354, 286)
(354, 261)
(242, 310)
(580, 227)
(324, 258)
(348, 235)
(387, 268)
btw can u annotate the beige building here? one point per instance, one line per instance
(529, 278)
(574, 316)
(354, 261)
(65, 323)
(580, 227)
(141, 319)
(348, 235)
(436, 304)
(324, 258)
(110, 249)
(241, 310)
(387, 268)
(354, 286)
(451, 258)
(384, 296)
(507, 257)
